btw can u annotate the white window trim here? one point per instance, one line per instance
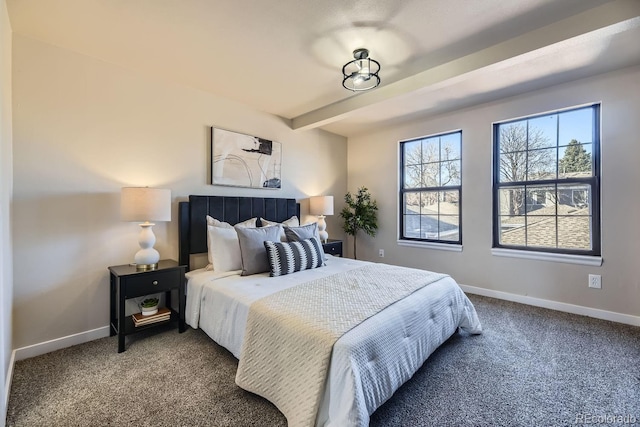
(430, 245)
(595, 261)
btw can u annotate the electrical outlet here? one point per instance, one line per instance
(595, 281)
(381, 253)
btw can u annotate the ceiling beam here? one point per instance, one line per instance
(606, 16)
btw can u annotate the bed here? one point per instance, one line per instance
(366, 364)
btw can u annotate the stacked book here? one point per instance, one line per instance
(162, 315)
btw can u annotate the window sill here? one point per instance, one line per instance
(431, 245)
(595, 261)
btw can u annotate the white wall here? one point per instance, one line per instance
(373, 163)
(83, 129)
(6, 281)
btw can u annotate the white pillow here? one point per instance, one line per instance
(212, 222)
(248, 223)
(291, 222)
(224, 248)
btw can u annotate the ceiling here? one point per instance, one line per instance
(285, 57)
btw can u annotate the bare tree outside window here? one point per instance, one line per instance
(522, 149)
(431, 180)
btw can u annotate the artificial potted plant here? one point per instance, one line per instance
(149, 306)
(360, 213)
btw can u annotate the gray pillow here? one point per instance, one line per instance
(252, 251)
(298, 234)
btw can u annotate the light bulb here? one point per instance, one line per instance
(360, 78)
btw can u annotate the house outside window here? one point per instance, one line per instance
(430, 188)
(546, 182)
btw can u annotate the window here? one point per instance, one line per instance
(430, 188)
(546, 190)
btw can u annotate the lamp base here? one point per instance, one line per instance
(146, 267)
(147, 257)
(322, 229)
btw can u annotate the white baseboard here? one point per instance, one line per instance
(7, 385)
(60, 343)
(554, 305)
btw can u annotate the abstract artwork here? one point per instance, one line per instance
(244, 161)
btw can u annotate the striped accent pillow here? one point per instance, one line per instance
(287, 258)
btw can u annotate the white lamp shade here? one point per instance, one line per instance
(321, 205)
(145, 204)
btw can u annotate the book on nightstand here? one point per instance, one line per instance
(162, 315)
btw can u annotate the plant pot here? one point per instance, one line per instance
(149, 306)
(148, 311)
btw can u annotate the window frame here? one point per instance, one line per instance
(402, 239)
(594, 182)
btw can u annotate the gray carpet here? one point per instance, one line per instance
(530, 367)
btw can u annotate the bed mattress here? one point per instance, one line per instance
(369, 362)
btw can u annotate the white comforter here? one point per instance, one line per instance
(369, 362)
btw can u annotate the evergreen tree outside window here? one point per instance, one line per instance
(546, 182)
(575, 158)
(430, 188)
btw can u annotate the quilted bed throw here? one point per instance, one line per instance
(290, 335)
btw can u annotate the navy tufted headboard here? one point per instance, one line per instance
(192, 224)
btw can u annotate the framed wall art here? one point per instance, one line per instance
(244, 160)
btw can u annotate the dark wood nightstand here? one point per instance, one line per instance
(127, 282)
(333, 247)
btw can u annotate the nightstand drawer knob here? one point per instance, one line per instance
(155, 282)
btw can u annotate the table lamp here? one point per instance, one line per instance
(321, 206)
(144, 204)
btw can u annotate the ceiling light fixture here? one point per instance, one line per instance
(361, 73)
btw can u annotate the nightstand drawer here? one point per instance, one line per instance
(333, 247)
(150, 283)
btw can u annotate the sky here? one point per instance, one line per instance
(575, 124)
